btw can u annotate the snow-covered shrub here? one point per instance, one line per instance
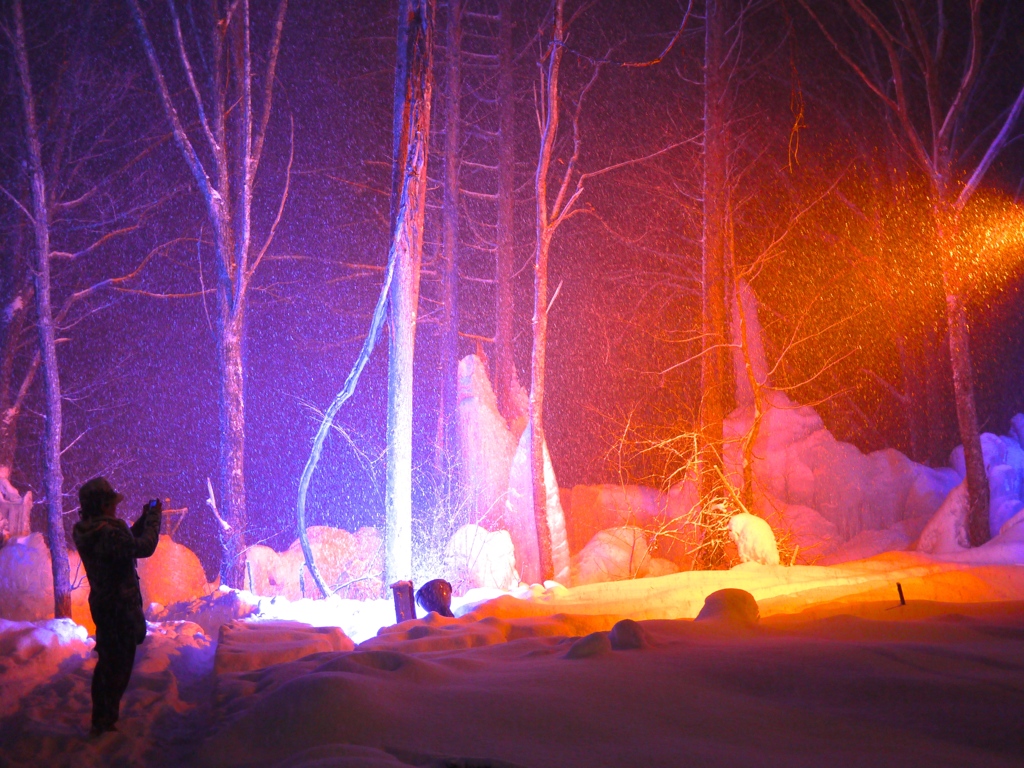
(478, 558)
(754, 539)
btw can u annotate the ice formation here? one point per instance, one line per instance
(351, 563)
(519, 518)
(487, 444)
(14, 508)
(476, 557)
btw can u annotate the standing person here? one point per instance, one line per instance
(108, 548)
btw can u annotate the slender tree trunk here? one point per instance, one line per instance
(714, 372)
(231, 359)
(450, 237)
(967, 415)
(54, 477)
(413, 86)
(947, 220)
(963, 387)
(504, 355)
(544, 231)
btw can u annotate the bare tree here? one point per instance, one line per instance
(83, 198)
(411, 130)
(40, 218)
(917, 40)
(231, 137)
(568, 185)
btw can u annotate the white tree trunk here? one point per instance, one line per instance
(413, 86)
(54, 476)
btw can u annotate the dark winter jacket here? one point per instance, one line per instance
(108, 548)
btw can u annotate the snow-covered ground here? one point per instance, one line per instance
(837, 673)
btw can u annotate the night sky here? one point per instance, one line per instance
(810, 145)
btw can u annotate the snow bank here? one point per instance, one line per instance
(244, 646)
(704, 693)
(730, 607)
(32, 653)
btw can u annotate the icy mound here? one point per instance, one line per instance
(476, 558)
(519, 518)
(487, 444)
(26, 582)
(350, 563)
(616, 554)
(172, 574)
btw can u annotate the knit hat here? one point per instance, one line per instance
(96, 494)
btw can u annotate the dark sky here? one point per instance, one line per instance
(140, 372)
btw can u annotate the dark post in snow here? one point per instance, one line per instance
(234, 138)
(715, 351)
(53, 474)
(413, 86)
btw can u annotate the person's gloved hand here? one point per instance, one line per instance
(154, 504)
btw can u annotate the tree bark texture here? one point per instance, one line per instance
(714, 336)
(231, 371)
(52, 401)
(963, 385)
(450, 238)
(505, 377)
(413, 86)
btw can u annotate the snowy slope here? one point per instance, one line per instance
(836, 674)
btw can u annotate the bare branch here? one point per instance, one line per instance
(195, 165)
(17, 202)
(993, 150)
(186, 63)
(280, 207)
(268, 86)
